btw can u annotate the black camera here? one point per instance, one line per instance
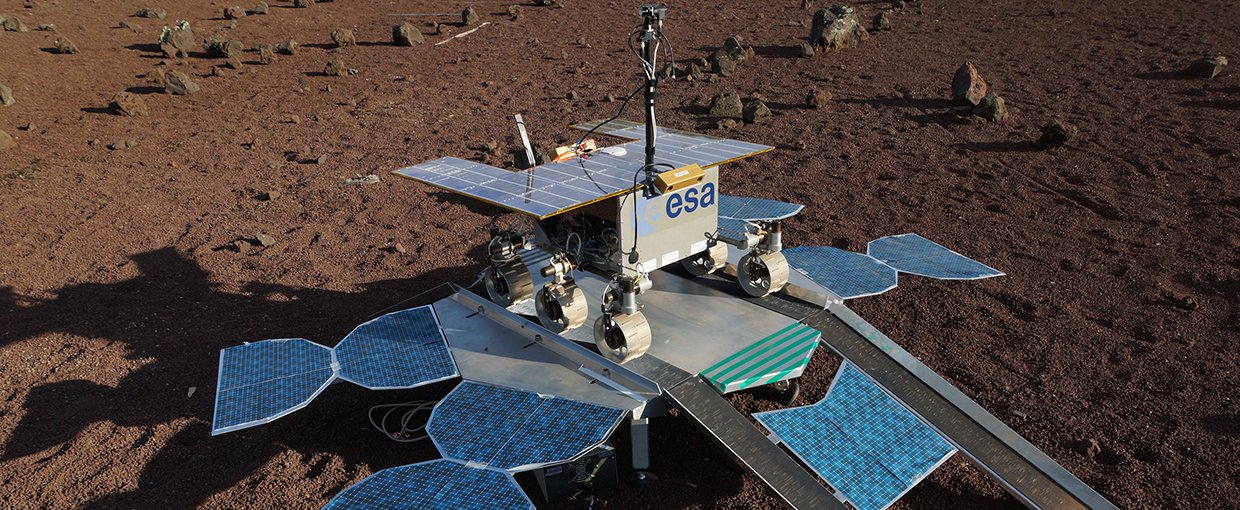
(656, 12)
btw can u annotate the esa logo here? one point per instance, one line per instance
(690, 200)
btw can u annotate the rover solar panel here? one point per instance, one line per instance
(849, 275)
(433, 485)
(513, 430)
(914, 254)
(262, 381)
(776, 357)
(752, 209)
(860, 440)
(402, 349)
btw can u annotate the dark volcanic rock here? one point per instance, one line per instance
(261, 9)
(128, 104)
(179, 83)
(336, 67)
(176, 41)
(12, 23)
(224, 48)
(344, 37)
(234, 12)
(727, 124)
(727, 105)
(756, 112)
(733, 53)
(882, 21)
(514, 12)
(266, 54)
(992, 108)
(835, 28)
(151, 12)
(968, 87)
(1207, 67)
(289, 47)
(469, 16)
(1055, 135)
(405, 34)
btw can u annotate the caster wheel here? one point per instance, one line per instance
(508, 283)
(622, 337)
(791, 389)
(561, 307)
(762, 274)
(708, 261)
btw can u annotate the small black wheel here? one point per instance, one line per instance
(788, 395)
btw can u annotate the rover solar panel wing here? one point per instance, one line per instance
(558, 187)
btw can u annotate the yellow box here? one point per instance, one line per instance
(680, 178)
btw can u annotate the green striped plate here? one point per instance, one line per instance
(781, 355)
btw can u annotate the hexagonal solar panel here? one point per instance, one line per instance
(750, 208)
(914, 254)
(513, 430)
(440, 484)
(860, 440)
(262, 381)
(399, 350)
(849, 275)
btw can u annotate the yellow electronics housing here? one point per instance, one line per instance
(680, 178)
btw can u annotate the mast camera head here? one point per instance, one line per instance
(656, 12)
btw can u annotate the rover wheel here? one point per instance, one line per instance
(508, 283)
(561, 307)
(762, 274)
(622, 337)
(708, 261)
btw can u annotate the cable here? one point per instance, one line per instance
(614, 117)
(405, 434)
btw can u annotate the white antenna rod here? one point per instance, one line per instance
(525, 140)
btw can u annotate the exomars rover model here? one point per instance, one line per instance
(634, 284)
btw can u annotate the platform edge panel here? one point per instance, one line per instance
(351, 370)
(960, 267)
(221, 392)
(388, 488)
(779, 356)
(1021, 468)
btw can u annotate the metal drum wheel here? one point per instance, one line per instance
(762, 274)
(706, 262)
(622, 337)
(561, 307)
(508, 283)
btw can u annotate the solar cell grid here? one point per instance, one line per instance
(262, 381)
(847, 274)
(402, 349)
(914, 254)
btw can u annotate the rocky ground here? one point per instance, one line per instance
(162, 199)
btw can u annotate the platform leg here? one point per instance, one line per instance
(638, 428)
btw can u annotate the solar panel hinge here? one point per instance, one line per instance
(475, 465)
(335, 366)
(774, 438)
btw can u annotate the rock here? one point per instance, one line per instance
(806, 50)
(732, 54)
(991, 108)
(336, 67)
(223, 48)
(264, 240)
(190, 392)
(968, 87)
(405, 34)
(548, 3)
(66, 47)
(1055, 135)
(234, 12)
(727, 105)
(289, 47)
(807, 4)
(179, 83)
(1207, 67)
(266, 54)
(469, 16)
(514, 12)
(400, 248)
(12, 23)
(571, 95)
(756, 112)
(261, 9)
(835, 28)
(176, 41)
(122, 145)
(233, 63)
(6, 95)
(817, 98)
(6, 141)
(694, 71)
(363, 179)
(727, 124)
(303, 3)
(321, 160)
(128, 104)
(46, 27)
(343, 38)
(1184, 301)
(1089, 447)
(132, 27)
(883, 21)
(269, 195)
(151, 12)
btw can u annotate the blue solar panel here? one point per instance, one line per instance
(515, 430)
(849, 275)
(398, 350)
(749, 208)
(860, 440)
(433, 485)
(914, 254)
(734, 229)
(262, 381)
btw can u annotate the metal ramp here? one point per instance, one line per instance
(733, 431)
